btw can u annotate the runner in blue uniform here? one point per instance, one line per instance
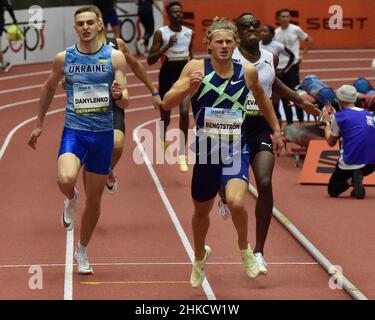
(95, 76)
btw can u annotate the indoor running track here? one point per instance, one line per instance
(142, 247)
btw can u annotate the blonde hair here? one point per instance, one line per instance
(221, 24)
(90, 8)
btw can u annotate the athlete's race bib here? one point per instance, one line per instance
(222, 123)
(252, 108)
(90, 98)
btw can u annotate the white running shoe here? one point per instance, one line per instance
(7, 66)
(249, 262)
(197, 273)
(112, 183)
(83, 264)
(70, 206)
(262, 264)
(224, 211)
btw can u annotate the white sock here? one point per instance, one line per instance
(349, 181)
(81, 248)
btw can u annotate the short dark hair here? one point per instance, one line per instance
(172, 4)
(242, 15)
(279, 12)
(91, 8)
(271, 29)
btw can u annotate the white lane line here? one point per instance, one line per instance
(24, 75)
(63, 95)
(119, 264)
(15, 89)
(205, 55)
(200, 56)
(333, 70)
(185, 241)
(342, 50)
(337, 60)
(22, 102)
(317, 255)
(68, 275)
(23, 123)
(133, 85)
(38, 73)
(20, 125)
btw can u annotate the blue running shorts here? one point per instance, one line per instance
(94, 149)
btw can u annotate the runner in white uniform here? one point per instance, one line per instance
(259, 133)
(172, 44)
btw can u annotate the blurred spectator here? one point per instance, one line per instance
(290, 35)
(270, 44)
(108, 9)
(5, 4)
(275, 47)
(366, 101)
(355, 129)
(146, 16)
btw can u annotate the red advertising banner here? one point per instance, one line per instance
(320, 162)
(311, 15)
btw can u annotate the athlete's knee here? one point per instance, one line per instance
(202, 209)
(264, 185)
(118, 144)
(118, 140)
(236, 203)
(66, 179)
(200, 213)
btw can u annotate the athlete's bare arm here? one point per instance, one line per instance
(46, 96)
(285, 92)
(119, 85)
(191, 46)
(264, 103)
(139, 71)
(156, 50)
(187, 84)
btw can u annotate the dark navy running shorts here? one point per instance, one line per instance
(118, 118)
(111, 18)
(208, 178)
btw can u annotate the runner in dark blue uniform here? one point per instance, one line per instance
(218, 88)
